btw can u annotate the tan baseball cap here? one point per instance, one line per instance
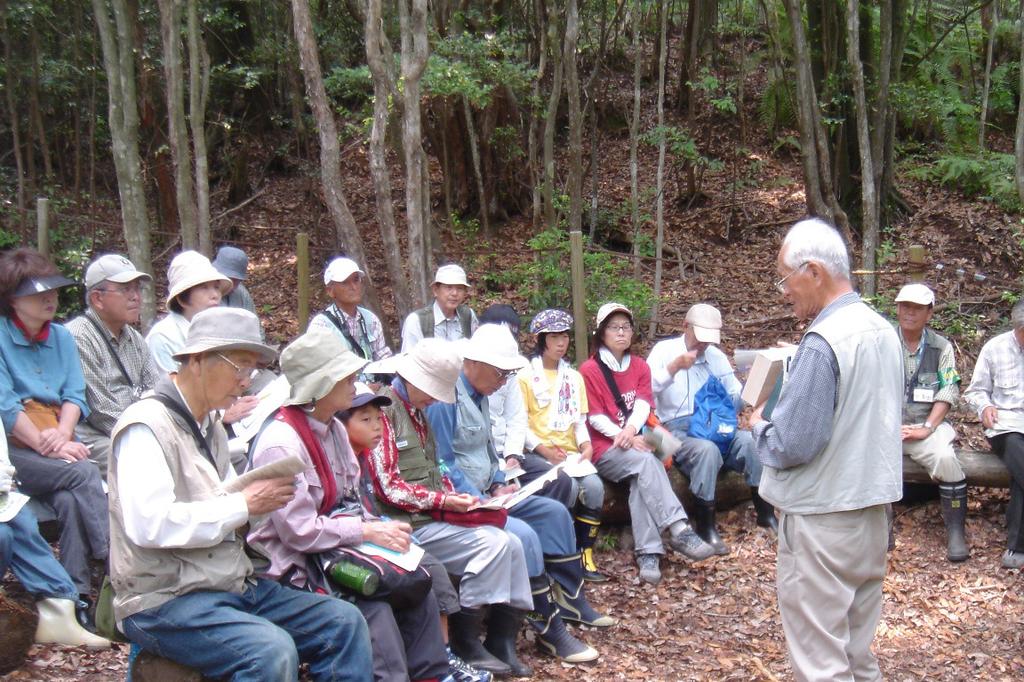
(706, 322)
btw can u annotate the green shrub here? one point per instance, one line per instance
(988, 175)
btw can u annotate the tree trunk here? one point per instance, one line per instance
(869, 200)
(988, 75)
(36, 107)
(117, 41)
(478, 175)
(659, 243)
(551, 118)
(1018, 138)
(199, 91)
(380, 60)
(415, 50)
(634, 141)
(537, 173)
(346, 233)
(572, 84)
(12, 111)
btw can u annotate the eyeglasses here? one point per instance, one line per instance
(781, 284)
(620, 329)
(127, 291)
(241, 373)
(504, 374)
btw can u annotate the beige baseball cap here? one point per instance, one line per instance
(916, 293)
(706, 322)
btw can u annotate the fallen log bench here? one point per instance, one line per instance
(983, 469)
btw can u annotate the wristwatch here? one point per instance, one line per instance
(928, 425)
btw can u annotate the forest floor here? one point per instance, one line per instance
(717, 620)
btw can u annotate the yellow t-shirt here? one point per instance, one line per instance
(538, 418)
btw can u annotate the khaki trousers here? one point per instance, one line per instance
(829, 581)
(936, 454)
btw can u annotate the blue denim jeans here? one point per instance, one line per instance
(261, 634)
(26, 553)
(701, 460)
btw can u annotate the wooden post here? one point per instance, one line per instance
(917, 263)
(579, 294)
(43, 226)
(302, 258)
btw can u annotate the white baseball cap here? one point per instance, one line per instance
(916, 293)
(452, 275)
(706, 322)
(114, 268)
(340, 269)
(494, 345)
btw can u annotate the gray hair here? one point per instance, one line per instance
(815, 240)
(1017, 314)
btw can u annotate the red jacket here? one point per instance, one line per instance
(633, 383)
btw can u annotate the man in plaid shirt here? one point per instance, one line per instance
(996, 393)
(116, 362)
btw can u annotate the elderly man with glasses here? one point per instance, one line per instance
(116, 361)
(832, 458)
(184, 586)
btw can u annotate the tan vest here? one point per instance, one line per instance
(862, 464)
(144, 578)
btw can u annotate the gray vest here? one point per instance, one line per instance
(862, 464)
(145, 577)
(471, 442)
(926, 376)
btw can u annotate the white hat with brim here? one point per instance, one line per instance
(112, 268)
(433, 366)
(608, 309)
(706, 322)
(452, 275)
(494, 345)
(340, 269)
(190, 269)
(223, 329)
(314, 363)
(916, 293)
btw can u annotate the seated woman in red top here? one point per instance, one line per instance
(619, 395)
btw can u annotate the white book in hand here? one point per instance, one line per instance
(767, 374)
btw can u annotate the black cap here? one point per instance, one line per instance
(39, 285)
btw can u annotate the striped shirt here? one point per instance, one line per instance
(107, 390)
(998, 379)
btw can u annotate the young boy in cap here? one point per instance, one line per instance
(116, 361)
(932, 390)
(448, 317)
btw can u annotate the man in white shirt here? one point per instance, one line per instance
(680, 368)
(448, 317)
(183, 582)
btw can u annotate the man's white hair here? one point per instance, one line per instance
(1017, 314)
(815, 240)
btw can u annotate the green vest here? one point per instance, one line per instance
(926, 376)
(417, 462)
(463, 312)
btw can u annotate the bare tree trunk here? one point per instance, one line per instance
(634, 141)
(177, 129)
(12, 111)
(380, 60)
(415, 49)
(119, 64)
(474, 152)
(345, 230)
(1018, 137)
(199, 91)
(869, 200)
(551, 118)
(535, 171)
(572, 84)
(659, 243)
(878, 127)
(36, 107)
(988, 75)
(76, 114)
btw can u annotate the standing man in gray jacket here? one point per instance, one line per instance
(832, 460)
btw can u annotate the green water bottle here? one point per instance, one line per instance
(354, 577)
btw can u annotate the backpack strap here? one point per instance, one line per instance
(609, 378)
(343, 328)
(294, 417)
(190, 421)
(465, 316)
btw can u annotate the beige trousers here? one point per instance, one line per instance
(936, 454)
(830, 572)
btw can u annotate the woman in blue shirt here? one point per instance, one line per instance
(42, 397)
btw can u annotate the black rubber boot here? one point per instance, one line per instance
(552, 635)
(502, 629)
(464, 628)
(765, 512)
(953, 497)
(704, 524)
(570, 594)
(588, 521)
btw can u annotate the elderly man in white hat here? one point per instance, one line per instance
(932, 389)
(358, 327)
(184, 587)
(448, 317)
(116, 361)
(680, 368)
(462, 431)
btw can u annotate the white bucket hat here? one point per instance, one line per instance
(493, 344)
(452, 275)
(916, 293)
(224, 328)
(314, 363)
(190, 269)
(433, 366)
